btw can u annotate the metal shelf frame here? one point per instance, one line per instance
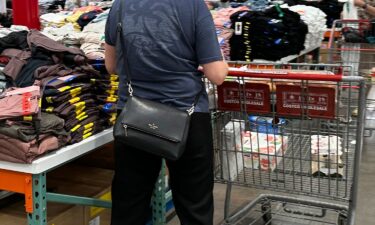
(31, 180)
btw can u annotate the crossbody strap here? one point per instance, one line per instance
(122, 47)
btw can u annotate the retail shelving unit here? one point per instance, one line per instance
(30, 180)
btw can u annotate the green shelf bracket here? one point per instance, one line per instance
(76, 200)
(159, 200)
(39, 215)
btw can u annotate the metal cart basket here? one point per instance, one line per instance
(294, 129)
(352, 43)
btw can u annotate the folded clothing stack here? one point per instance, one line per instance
(71, 98)
(26, 133)
(316, 21)
(3, 82)
(22, 142)
(222, 23)
(34, 62)
(106, 89)
(332, 8)
(19, 102)
(269, 35)
(224, 35)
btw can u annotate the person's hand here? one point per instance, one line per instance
(359, 3)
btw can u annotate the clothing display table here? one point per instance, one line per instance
(30, 180)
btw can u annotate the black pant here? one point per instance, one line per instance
(191, 179)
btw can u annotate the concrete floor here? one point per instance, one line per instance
(366, 209)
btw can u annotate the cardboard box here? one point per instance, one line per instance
(98, 216)
(263, 151)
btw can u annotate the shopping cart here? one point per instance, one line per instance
(352, 43)
(294, 129)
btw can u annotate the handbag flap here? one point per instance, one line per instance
(155, 119)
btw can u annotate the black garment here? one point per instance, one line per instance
(89, 120)
(59, 82)
(73, 121)
(26, 77)
(86, 18)
(66, 93)
(16, 40)
(6, 20)
(191, 179)
(70, 56)
(267, 35)
(85, 132)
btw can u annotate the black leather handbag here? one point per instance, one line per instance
(151, 126)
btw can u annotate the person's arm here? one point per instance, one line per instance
(110, 40)
(365, 6)
(207, 46)
(216, 72)
(110, 58)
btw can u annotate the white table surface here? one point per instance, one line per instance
(61, 156)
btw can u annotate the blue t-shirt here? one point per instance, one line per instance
(166, 42)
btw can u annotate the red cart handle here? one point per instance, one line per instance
(287, 75)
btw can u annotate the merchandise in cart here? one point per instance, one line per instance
(294, 131)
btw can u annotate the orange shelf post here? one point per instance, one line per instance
(19, 183)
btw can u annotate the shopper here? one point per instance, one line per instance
(168, 40)
(367, 6)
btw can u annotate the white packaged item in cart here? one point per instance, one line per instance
(232, 160)
(326, 145)
(326, 155)
(263, 151)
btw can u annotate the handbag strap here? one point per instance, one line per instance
(123, 46)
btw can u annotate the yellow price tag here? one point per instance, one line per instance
(28, 118)
(49, 99)
(50, 109)
(80, 115)
(111, 92)
(88, 126)
(86, 131)
(64, 88)
(82, 118)
(74, 100)
(79, 104)
(111, 99)
(80, 110)
(75, 128)
(74, 92)
(86, 135)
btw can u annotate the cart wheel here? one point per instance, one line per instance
(266, 211)
(342, 219)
